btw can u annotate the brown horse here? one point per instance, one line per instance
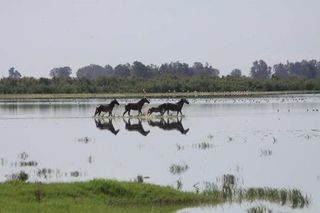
(106, 108)
(175, 107)
(160, 108)
(136, 106)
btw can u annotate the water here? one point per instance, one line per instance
(262, 142)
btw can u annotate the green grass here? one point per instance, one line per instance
(115, 196)
(95, 196)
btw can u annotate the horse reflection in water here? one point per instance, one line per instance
(106, 124)
(136, 127)
(169, 125)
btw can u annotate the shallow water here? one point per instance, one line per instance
(263, 142)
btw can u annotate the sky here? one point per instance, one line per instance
(38, 35)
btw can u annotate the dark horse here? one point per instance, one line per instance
(160, 108)
(136, 127)
(106, 108)
(106, 125)
(175, 107)
(135, 106)
(167, 125)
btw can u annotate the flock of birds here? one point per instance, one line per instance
(162, 108)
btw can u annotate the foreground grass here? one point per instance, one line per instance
(115, 196)
(149, 95)
(95, 196)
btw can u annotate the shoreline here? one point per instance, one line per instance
(232, 94)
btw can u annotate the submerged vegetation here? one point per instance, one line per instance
(115, 196)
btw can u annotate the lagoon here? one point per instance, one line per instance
(268, 141)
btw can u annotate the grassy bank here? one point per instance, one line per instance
(115, 196)
(149, 95)
(95, 196)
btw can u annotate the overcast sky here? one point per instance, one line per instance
(37, 35)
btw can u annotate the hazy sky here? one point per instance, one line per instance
(37, 35)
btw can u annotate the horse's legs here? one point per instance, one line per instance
(110, 113)
(125, 113)
(129, 112)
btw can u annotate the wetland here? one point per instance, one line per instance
(261, 152)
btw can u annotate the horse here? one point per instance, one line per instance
(136, 127)
(136, 106)
(101, 124)
(160, 109)
(106, 108)
(175, 107)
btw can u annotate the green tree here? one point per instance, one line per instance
(260, 69)
(122, 70)
(91, 72)
(236, 73)
(14, 74)
(139, 69)
(61, 72)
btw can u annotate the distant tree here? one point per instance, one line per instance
(280, 71)
(205, 70)
(153, 70)
(14, 74)
(307, 69)
(122, 70)
(197, 67)
(109, 70)
(91, 72)
(175, 68)
(139, 69)
(260, 69)
(236, 73)
(180, 68)
(60, 72)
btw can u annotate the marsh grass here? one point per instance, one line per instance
(94, 196)
(115, 196)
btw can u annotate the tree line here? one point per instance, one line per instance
(163, 84)
(259, 69)
(169, 77)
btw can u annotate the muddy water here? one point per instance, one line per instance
(262, 142)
